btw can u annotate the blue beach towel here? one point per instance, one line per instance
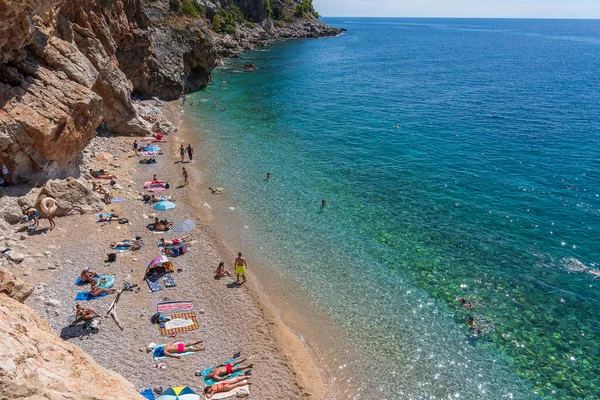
(102, 215)
(212, 381)
(169, 281)
(88, 296)
(148, 394)
(119, 200)
(155, 286)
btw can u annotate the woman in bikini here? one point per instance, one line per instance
(87, 275)
(221, 272)
(226, 386)
(85, 314)
(171, 349)
(96, 291)
(222, 371)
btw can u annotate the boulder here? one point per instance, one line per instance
(13, 288)
(217, 190)
(10, 211)
(37, 364)
(72, 197)
(250, 67)
(16, 257)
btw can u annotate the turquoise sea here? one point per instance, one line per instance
(488, 190)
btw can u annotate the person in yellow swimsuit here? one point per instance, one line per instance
(240, 268)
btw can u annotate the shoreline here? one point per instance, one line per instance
(305, 363)
(230, 320)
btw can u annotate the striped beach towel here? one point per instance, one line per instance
(187, 315)
(183, 226)
(168, 280)
(175, 306)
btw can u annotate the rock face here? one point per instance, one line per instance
(37, 364)
(66, 67)
(13, 288)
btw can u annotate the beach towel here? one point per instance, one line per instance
(154, 183)
(148, 165)
(211, 381)
(106, 281)
(118, 200)
(79, 330)
(156, 189)
(121, 248)
(148, 394)
(183, 226)
(162, 357)
(168, 280)
(174, 306)
(88, 296)
(154, 285)
(164, 330)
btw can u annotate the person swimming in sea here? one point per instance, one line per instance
(323, 203)
(466, 304)
(396, 126)
(268, 175)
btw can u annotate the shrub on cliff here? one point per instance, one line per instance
(305, 9)
(216, 23)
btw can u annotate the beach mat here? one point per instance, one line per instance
(185, 315)
(211, 381)
(175, 306)
(183, 226)
(106, 281)
(117, 200)
(148, 165)
(155, 286)
(88, 296)
(156, 189)
(168, 280)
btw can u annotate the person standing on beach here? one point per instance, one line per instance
(240, 268)
(135, 147)
(182, 152)
(185, 177)
(190, 152)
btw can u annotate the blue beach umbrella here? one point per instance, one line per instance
(178, 393)
(164, 205)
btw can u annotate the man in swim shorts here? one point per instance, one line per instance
(240, 267)
(171, 349)
(222, 372)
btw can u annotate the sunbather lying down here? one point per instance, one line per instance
(87, 275)
(221, 372)
(150, 160)
(171, 349)
(163, 225)
(111, 217)
(133, 245)
(101, 174)
(183, 240)
(226, 386)
(96, 291)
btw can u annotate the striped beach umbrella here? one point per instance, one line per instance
(178, 393)
(183, 226)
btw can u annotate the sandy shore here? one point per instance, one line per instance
(231, 319)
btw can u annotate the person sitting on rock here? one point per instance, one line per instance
(221, 372)
(226, 386)
(87, 275)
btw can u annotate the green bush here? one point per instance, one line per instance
(216, 23)
(229, 29)
(250, 24)
(268, 9)
(198, 7)
(304, 9)
(175, 5)
(188, 9)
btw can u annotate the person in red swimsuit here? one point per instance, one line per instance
(226, 386)
(172, 349)
(221, 372)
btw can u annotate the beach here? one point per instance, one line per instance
(230, 319)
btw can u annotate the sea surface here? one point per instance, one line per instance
(487, 189)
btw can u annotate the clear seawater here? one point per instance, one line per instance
(488, 190)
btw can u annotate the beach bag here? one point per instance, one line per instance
(112, 257)
(166, 185)
(146, 197)
(155, 318)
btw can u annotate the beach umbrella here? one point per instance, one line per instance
(183, 226)
(164, 205)
(178, 393)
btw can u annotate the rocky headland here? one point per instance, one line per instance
(70, 70)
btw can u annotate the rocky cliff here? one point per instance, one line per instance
(36, 364)
(66, 67)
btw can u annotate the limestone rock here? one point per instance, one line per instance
(13, 288)
(216, 190)
(37, 364)
(16, 257)
(72, 197)
(250, 67)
